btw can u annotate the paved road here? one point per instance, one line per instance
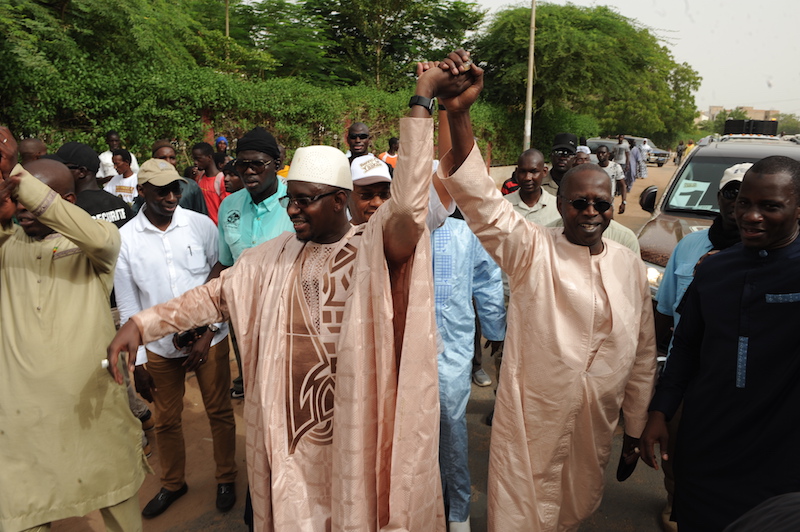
(630, 506)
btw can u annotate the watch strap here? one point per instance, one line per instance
(427, 103)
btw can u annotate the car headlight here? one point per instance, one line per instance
(654, 275)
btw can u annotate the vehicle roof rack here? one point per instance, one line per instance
(751, 127)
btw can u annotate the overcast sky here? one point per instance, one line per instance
(746, 51)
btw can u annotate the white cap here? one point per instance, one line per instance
(734, 173)
(321, 164)
(368, 170)
(583, 149)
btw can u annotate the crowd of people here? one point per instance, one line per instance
(354, 290)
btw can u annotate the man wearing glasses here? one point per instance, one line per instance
(580, 342)
(167, 250)
(358, 139)
(561, 156)
(335, 318)
(252, 215)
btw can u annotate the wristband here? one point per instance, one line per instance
(427, 103)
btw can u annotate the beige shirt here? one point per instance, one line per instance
(543, 211)
(370, 462)
(580, 346)
(549, 184)
(68, 441)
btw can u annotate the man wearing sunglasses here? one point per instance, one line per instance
(561, 156)
(166, 251)
(580, 342)
(371, 187)
(679, 274)
(252, 215)
(337, 335)
(358, 139)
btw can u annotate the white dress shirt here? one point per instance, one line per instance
(155, 266)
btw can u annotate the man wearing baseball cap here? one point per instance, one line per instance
(166, 251)
(679, 274)
(371, 182)
(561, 155)
(343, 303)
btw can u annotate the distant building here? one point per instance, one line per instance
(752, 114)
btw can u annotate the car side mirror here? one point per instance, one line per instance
(647, 199)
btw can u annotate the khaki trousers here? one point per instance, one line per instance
(213, 378)
(122, 517)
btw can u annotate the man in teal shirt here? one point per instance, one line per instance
(251, 216)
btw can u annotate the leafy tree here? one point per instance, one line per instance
(591, 62)
(378, 41)
(294, 36)
(789, 123)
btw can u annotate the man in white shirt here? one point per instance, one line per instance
(166, 251)
(107, 170)
(124, 184)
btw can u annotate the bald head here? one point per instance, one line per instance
(531, 155)
(53, 174)
(31, 149)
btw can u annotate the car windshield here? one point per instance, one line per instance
(697, 186)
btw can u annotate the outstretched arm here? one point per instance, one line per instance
(461, 67)
(410, 187)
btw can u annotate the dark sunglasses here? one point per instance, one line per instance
(730, 193)
(164, 191)
(367, 196)
(302, 201)
(354, 136)
(562, 153)
(256, 164)
(582, 204)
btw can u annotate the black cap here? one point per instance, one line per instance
(565, 141)
(80, 154)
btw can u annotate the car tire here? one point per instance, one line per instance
(660, 165)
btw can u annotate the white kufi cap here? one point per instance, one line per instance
(321, 164)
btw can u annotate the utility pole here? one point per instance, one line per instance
(526, 143)
(227, 19)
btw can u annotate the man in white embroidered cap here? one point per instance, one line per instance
(334, 304)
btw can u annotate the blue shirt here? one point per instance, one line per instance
(462, 270)
(679, 274)
(244, 224)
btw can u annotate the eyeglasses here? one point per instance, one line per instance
(367, 196)
(563, 153)
(256, 164)
(302, 201)
(582, 204)
(729, 193)
(354, 136)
